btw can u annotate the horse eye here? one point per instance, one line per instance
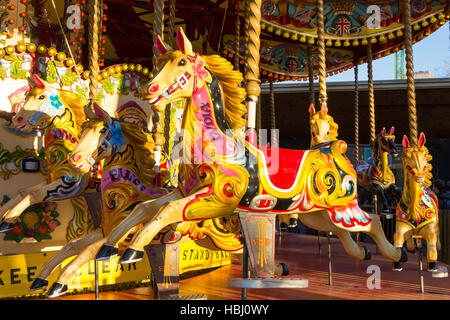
(103, 130)
(41, 97)
(182, 62)
(408, 167)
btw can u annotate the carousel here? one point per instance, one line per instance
(134, 163)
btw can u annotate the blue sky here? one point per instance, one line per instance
(430, 54)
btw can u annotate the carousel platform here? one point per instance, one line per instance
(301, 254)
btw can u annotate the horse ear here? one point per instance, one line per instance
(311, 109)
(183, 42)
(383, 132)
(405, 142)
(161, 47)
(35, 81)
(324, 108)
(422, 139)
(102, 114)
(391, 132)
(89, 113)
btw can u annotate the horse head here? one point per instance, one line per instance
(415, 159)
(42, 103)
(180, 73)
(386, 142)
(322, 126)
(100, 138)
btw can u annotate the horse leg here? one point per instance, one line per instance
(142, 213)
(317, 220)
(73, 247)
(430, 235)
(402, 232)
(169, 213)
(375, 230)
(60, 286)
(39, 193)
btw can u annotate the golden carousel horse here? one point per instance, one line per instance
(128, 179)
(221, 172)
(417, 211)
(323, 129)
(378, 177)
(60, 113)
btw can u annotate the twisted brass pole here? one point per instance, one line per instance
(94, 34)
(158, 29)
(246, 14)
(310, 76)
(237, 36)
(412, 112)
(252, 73)
(158, 26)
(273, 125)
(172, 30)
(371, 94)
(356, 115)
(322, 57)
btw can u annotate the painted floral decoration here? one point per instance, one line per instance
(38, 222)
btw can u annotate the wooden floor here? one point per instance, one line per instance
(300, 253)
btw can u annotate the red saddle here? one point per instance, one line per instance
(282, 165)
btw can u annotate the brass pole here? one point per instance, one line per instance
(311, 76)
(356, 115)
(252, 73)
(237, 36)
(273, 125)
(412, 112)
(94, 33)
(322, 58)
(172, 30)
(371, 94)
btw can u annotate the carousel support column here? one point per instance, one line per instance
(273, 126)
(323, 92)
(312, 102)
(94, 33)
(158, 30)
(412, 112)
(356, 122)
(252, 73)
(237, 36)
(418, 243)
(371, 110)
(172, 30)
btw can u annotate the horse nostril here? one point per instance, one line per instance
(76, 157)
(19, 119)
(154, 88)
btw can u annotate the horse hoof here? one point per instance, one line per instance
(293, 223)
(106, 252)
(367, 254)
(56, 290)
(38, 284)
(285, 269)
(130, 256)
(404, 256)
(397, 266)
(433, 266)
(6, 226)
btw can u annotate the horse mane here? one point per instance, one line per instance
(141, 143)
(333, 125)
(229, 80)
(144, 146)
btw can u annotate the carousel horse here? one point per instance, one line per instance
(128, 179)
(323, 129)
(221, 171)
(61, 114)
(417, 211)
(378, 177)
